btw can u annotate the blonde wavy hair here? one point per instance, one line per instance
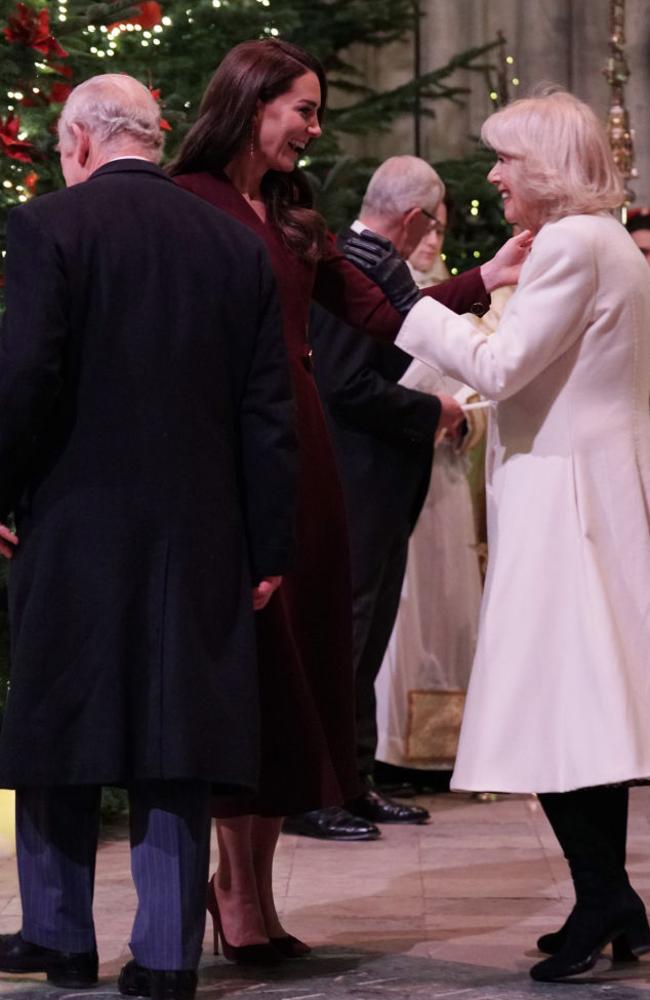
(561, 154)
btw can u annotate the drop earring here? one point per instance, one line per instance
(251, 144)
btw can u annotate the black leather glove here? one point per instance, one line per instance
(380, 261)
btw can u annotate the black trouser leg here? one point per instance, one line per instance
(375, 607)
(57, 831)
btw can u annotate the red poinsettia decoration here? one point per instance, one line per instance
(148, 16)
(31, 180)
(60, 92)
(164, 124)
(31, 28)
(57, 94)
(10, 144)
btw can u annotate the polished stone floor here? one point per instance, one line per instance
(447, 910)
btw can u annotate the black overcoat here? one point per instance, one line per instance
(147, 450)
(383, 433)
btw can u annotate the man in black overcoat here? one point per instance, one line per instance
(147, 455)
(383, 435)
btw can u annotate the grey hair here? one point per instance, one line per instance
(401, 183)
(114, 108)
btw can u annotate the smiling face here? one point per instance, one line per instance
(286, 125)
(506, 175)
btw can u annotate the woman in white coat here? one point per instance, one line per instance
(559, 698)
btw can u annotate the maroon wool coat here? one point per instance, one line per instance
(305, 633)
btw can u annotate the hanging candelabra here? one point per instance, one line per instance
(617, 73)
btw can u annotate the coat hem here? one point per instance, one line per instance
(545, 788)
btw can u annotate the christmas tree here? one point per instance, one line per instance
(47, 47)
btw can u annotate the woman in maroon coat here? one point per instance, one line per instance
(260, 111)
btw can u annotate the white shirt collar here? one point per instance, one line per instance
(131, 157)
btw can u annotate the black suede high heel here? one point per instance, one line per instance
(245, 954)
(590, 825)
(588, 932)
(552, 943)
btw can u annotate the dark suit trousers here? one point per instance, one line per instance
(377, 579)
(56, 833)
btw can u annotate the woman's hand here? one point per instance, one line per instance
(451, 422)
(476, 426)
(264, 591)
(505, 266)
(8, 541)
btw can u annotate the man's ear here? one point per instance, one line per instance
(410, 216)
(408, 219)
(82, 144)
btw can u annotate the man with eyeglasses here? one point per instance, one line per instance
(383, 435)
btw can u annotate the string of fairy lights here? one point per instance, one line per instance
(109, 37)
(106, 39)
(515, 81)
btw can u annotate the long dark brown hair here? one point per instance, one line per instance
(251, 72)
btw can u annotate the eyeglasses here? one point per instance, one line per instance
(434, 224)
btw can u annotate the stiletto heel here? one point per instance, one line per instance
(213, 910)
(245, 954)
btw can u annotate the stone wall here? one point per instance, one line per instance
(559, 41)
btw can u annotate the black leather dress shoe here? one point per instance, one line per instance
(72, 970)
(331, 824)
(403, 790)
(380, 809)
(159, 984)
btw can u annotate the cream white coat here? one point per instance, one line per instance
(559, 696)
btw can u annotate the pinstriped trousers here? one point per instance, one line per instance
(56, 840)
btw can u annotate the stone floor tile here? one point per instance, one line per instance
(451, 909)
(330, 888)
(340, 907)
